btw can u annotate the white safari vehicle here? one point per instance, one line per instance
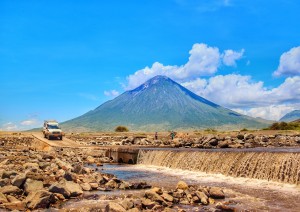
(52, 130)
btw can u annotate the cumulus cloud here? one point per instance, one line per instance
(236, 91)
(111, 93)
(271, 112)
(203, 61)
(289, 64)
(230, 57)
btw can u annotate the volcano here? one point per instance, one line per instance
(161, 104)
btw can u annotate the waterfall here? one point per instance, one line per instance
(273, 166)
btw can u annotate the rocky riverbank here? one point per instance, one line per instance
(208, 141)
(32, 179)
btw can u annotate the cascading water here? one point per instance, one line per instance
(273, 166)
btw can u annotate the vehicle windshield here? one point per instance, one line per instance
(53, 127)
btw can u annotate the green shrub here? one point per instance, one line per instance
(121, 129)
(245, 129)
(284, 126)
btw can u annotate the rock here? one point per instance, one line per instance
(126, 204)
(66, 188)
(90, 159)
(182, 185)
(167, 197)
(60, 188)
(15, 206)
(19, 180)
(223, 144)
(3, 198)
(63, 165)
(39, 199)
(213, 142)
(33, 185)
(216, 193)
(148, 204)
(114, 207)
(10, 189)
(94, 186)
(152, 195)
(31, 165)
(240, 136)
(12, 199)
(74, 188)
(112, 184)
(86, 186)
(78, 169)
(203, 198)
(4, 182)
(69, 176)
(7, 174)
(225, 208)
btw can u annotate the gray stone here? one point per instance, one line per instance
(19, 180)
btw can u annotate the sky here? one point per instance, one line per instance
(60, 59)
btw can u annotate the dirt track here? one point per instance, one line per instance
(56, 143)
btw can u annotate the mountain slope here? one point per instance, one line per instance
(157, 105)
(291, 116)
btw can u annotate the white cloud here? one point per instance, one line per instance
(10, 126)
(203, 61)
(239, 92)
(235, 91)
(29, 122)
(272, 112)
(289, 64)
(111, 93)
(230, 57)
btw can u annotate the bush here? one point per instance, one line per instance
(245, 129)
(284, 126)
(121, 129)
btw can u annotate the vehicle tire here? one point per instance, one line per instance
(60, 138)
(49, 137)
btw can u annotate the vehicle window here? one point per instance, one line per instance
(53, 127)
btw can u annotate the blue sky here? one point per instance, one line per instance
(60, 59)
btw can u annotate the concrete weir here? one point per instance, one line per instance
(122, 154)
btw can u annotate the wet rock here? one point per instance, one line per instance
(114, 207)
(203, 198)
(182, 185)
(39, 199)
(216, 193)
(33, 185)
(19, 180)
(225, 208)
(66, 188)
(10, 189)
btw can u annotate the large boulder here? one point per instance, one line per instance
(33, 185)
(39, 199)
(60, 188)
(152, 195)
(86, 186)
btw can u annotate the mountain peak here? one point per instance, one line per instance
(153, 81)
